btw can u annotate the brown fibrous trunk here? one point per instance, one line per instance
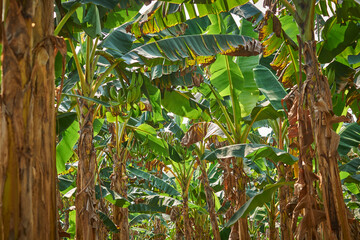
(27, 122)
(185, 213)
(284, 197)
(240, 229)
(119, 185)
(86, 216)
(311, 118)
(210, 202)
(318, 98)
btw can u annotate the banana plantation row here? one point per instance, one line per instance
(140, 119)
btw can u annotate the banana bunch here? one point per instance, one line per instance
(117, 96)
(134, 89)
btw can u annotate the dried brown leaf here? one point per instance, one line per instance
(195, 134)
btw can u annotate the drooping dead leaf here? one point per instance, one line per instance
(203, 131)
(251, 48)
(196, 133)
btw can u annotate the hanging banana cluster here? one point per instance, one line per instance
(132, 93)
(134, 89)
(117, 96)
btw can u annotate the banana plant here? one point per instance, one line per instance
(311, 100)
(225, 72)
(199, 133)
(83, 17)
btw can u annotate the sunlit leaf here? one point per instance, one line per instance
(64, 120)
(182, 104)
(163, 15)
(147, 135)
(64, 149)
(336, 38)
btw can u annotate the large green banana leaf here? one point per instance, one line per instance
(163, 15)
(154, 181)
(351, 167)
(253, 151)
(138, 219)
(247, 11)
(167, 76)
(146, 208)
(110, 225)
(118, 42)
(249, 94)
(183, 104)
(349, 138)
(154, 96)
(147, 134)
(337, 36)
(263, 111)
(269, 86)
(224, 72)
(64, 149)
(172, 126)
(257, 201)
(191, 50)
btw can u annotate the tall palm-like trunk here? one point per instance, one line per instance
(210, 201)
(315, 124)
(185, 213)
(27, 122)
(284, 172)
(284, 196)
(319, 103)
(242, 223)
(240, 228)
(121, 215)
(119, 179)
(86, 217)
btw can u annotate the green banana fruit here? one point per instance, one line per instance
(144, 143)
(140, 80)
(136, 110)
(129, 96)
(133, 93)
(113, 93)
(133, 81)
(120, 99)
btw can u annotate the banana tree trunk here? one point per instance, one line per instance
(210, 201)
(241, 228)
(179, 232)
(27, 122)
(274, 233)
(318, 97)
(185, 212)
(316, 94)
(86, 217)
(119, 182)
(284, 172)
(284, 196)
(242, 223)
